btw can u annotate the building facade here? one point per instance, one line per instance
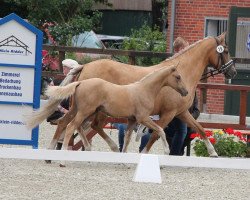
(194, 20)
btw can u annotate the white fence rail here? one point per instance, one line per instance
(148, 168)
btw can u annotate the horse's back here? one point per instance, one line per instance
(98, 86)
(113, 71)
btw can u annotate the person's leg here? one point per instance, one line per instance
(121, 132)
(187, 142)
(180, 132)
(144, 140)
(169, 131)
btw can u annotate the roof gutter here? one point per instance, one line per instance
(171, 41)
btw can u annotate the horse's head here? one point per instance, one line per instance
(221, 59)
(175, 81)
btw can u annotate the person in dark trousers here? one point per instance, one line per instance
(121, 133)
(177, 131)
(195, 112)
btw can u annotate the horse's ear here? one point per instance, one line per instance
(222, 37)
(226, 38)
(173, 69)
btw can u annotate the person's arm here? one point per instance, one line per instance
(195, 112)
(62, 109)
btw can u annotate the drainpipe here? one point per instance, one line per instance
(172, 26)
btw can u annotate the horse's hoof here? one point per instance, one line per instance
(214, 155)
(62, 165)
(48, 161)
(87, 149)
(115, 149)
(144, 151)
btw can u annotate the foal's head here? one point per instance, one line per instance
(174, 80)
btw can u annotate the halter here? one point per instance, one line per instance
(224, 66)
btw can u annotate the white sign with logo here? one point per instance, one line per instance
(17, 44)
(20, 79)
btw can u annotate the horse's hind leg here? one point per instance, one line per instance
(84, 139)
(191, 122)
(60, 129)
(152, 125)
(62, 124)
(72, 126)
(97, 125)
(130, 128)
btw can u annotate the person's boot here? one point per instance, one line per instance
(59, 146)
(83, 148)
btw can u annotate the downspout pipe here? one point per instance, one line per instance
(172, 26)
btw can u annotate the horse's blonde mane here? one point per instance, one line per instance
(187, 49)
(145, 77)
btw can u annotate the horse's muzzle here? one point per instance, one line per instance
(183, 92)
(229, 70)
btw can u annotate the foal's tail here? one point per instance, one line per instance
(37, 116)
(62, 92)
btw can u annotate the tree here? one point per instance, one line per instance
(146, 39)
(66, 17)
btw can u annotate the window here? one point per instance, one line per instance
(214, 27)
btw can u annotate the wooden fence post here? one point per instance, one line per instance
(131, 59)
(61, 58)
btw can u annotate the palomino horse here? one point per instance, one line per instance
(94, 95)
(192, 62)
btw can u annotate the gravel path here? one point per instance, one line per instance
(33, 179)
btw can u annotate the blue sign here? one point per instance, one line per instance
(248, 42)
(20, 79)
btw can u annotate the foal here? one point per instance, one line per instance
(134, 101)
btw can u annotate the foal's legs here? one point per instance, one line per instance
(72, 126)
(152, 125)
(62, 124)
(191, 122)
(97, 125)
(130, 128)
(164, 120)
(84, 139)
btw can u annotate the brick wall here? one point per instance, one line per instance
(190, 24)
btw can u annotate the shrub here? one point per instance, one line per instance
(227, 143)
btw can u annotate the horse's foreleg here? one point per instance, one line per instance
(191, 122)
(162, 122)
(130, 128)
(97, 125)
(152, 125)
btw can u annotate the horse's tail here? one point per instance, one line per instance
(37, 116)
(62, 92)
(70, 76)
